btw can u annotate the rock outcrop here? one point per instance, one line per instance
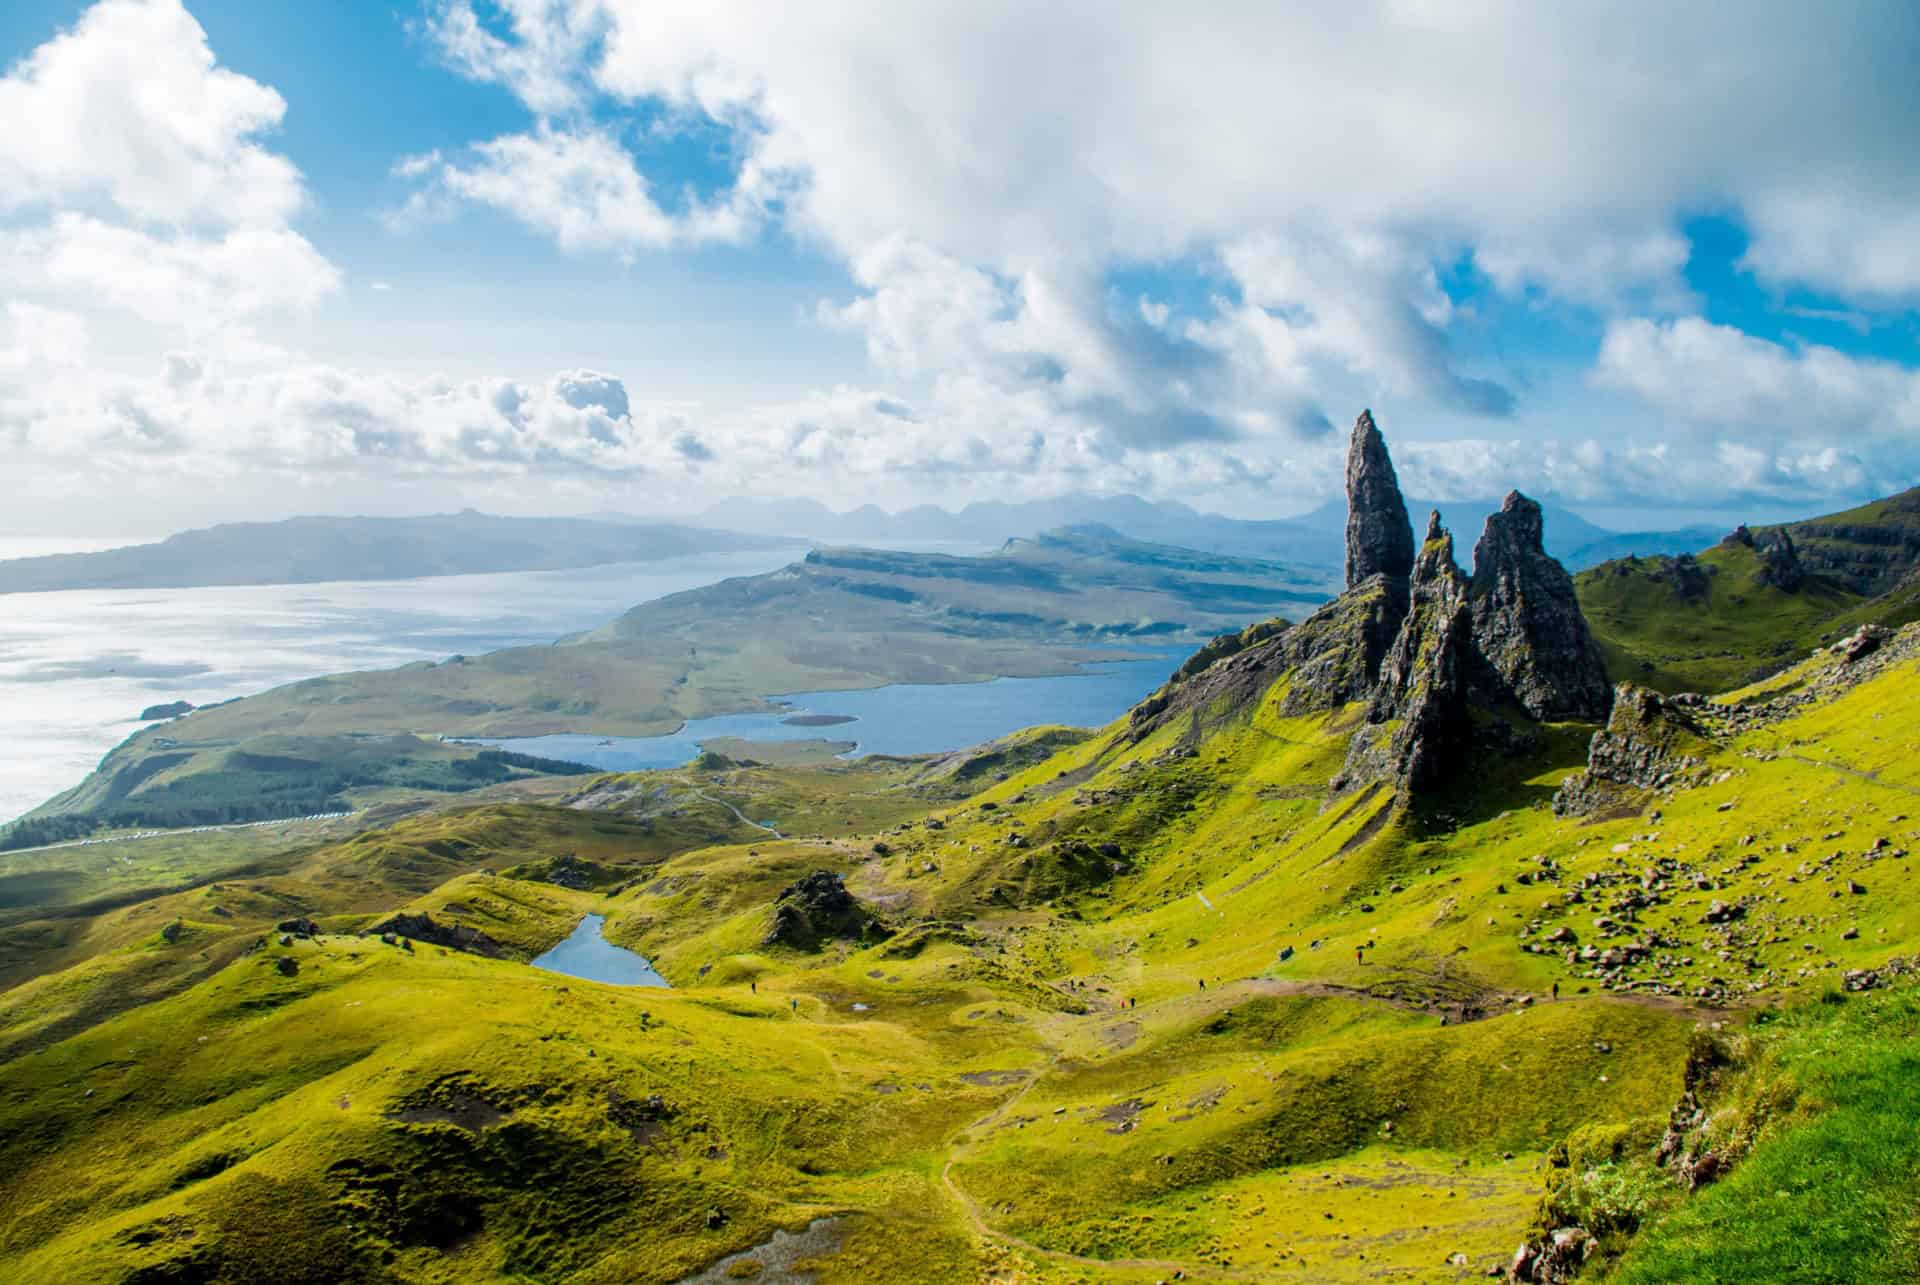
(1334, 656)
(1649, 743)
(817, 908)
(1527, 621)
(1417, 713)
(1379, 535)
(425, 928)
(1445, 664)
(1780, 563)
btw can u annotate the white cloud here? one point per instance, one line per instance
(128, 106)
(135, 180)
(540, 64)
(1701, 374)
(37, 338)
(982, 184)
(581, 188)
(1830, 238)
(181, 279)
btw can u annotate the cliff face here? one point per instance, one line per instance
(1868, 549)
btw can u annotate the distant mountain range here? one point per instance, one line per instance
(305, 550)
(1316, 538)
(309, 549)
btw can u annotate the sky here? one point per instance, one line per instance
(1659, 261)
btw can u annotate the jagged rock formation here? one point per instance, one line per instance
(1446, 664)
(1509, 642)
(1649, 743)
(1780, 565)
(817, 908)
(1527, 622)
(1417, 713)
(1379, 536)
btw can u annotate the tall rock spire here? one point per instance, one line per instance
(1527, 621)
(1379, 536)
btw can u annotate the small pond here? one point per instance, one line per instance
(587, 954)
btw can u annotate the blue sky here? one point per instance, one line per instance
(545, 257)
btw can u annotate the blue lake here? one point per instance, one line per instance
(906, 718)
(589, 955)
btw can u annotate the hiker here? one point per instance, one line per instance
(795, 1004)
(1203, 983)
(754, 987)
(1360, 954)
(1556, 990)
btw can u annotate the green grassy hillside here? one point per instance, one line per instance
(1704, 623)
(1146, 1008)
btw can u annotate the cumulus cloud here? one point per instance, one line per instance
(1701, 374)
(301, 418)
(579, 186)
(129, 106)
(983, 186)
(134, 178)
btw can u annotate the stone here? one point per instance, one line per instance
(1417, 717)
(1780, 566)
(1527, 621)
(817, 908)
(300, 927)
(425, 928)
(1648, 739)
(1379, 534)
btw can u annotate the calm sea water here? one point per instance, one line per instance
(586, 953)
(908, 718)
(77, 667)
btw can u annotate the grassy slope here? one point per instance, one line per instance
(1724, 638)
(1040, 1088)
(1830, 1192)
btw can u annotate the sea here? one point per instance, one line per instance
(77, 667)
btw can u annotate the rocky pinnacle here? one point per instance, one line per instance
(1527, 621)
(1379, 536)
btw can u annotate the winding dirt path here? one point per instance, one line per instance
(743, 817)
